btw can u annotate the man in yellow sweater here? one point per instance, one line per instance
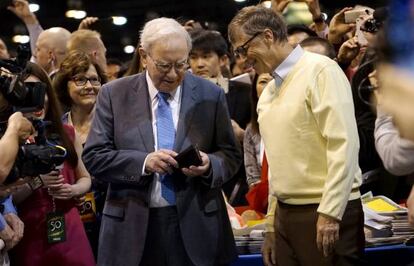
(306, 119)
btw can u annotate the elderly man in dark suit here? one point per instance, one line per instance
(154, 213)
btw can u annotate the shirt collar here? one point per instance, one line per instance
(154, 91)
(286, 66)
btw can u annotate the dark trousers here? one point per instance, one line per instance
(164, 245)
(296, 236)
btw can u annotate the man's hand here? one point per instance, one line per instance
(327, 233)
(198, 170)
(87, 22)
(349, 51)
(17, 225)
(338, 28)
(53, 180)
(269, 249)
(7, 235)
(238, 131)
(191, 25)
(161, 161)
(21, 126)
(21, 9)
(280, 5)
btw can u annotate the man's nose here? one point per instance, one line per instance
(172, 74)
(200, 63)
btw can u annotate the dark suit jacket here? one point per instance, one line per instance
(239, 102)
(121, 137)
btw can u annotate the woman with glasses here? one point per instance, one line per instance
(77, 84)
(53, 233)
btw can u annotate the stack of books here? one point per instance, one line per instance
(250, 244)
(385, 221)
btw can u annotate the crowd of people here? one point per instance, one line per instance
(295, 121)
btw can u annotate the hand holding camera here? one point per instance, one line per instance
(21, 126)
(338, 27)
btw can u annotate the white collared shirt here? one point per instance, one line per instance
(280, 73)
(156, 200)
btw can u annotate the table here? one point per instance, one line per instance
(395, 255)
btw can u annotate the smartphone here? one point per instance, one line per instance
(359, 34)
(352, 15)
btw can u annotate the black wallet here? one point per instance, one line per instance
(189, 156)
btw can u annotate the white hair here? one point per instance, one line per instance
(161, 28)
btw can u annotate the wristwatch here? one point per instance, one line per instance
(322, 18)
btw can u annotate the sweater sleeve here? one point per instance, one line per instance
(396, 153)
(333, 109)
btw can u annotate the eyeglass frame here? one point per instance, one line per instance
(159, 66)
(76, 81)
(243, 49)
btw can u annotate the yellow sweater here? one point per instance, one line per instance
(311, 140)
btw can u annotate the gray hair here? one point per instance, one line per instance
(160, 28)
(254, 19)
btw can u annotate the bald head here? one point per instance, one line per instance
(51, 48)
(89, 42)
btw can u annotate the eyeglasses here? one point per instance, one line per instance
(242, 49)
(81, 81)
(166, 67)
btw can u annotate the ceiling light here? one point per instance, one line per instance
(129, 49)
(21, 38)
(76, 14)
(240, 1)
(119, 20)
(267, 4)
(34, 7)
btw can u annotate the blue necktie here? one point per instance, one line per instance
(166, 138)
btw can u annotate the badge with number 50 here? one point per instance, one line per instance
(56, 231)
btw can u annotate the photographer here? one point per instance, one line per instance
(49, 210)
(18, 129)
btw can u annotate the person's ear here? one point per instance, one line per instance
(51, 55)
(144, 57)
(268, 36)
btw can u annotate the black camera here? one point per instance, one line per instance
(44, 154)
(23, 96)
(40, 157)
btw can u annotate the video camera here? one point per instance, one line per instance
(45, 154)
(23, 96)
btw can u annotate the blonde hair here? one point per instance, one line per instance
(84, 40)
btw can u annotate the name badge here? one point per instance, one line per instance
(56, 231)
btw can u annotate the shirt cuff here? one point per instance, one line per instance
(9, 206)
(270, 224)
(143, 172)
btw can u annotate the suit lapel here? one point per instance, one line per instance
(143, 114)
(187, 110)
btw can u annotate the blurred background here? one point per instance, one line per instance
(121, 39)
